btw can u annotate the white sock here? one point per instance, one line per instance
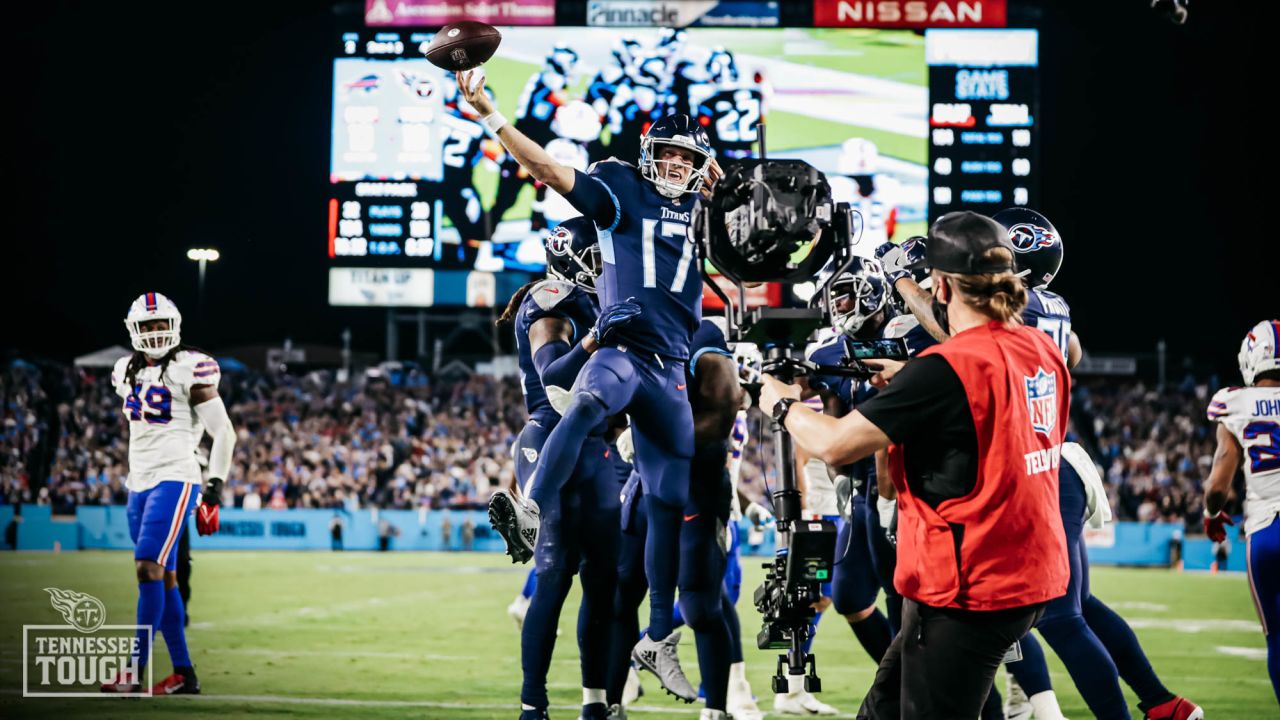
(592, 696)
(795, 684)
(1045, 706)
(738, 672)
(709, 714)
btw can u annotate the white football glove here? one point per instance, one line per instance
(626, 447)
(758, 514)
(884, 508)
(1097, 507)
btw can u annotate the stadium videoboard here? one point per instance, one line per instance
(417, 182)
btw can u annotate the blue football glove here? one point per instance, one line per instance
(612, 318)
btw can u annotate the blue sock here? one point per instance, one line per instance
(1032, 671)
(813, 632)
(874, 634)
(150, 610)
(538, 635)
(171, 625)
(677, 618)
(735, 629)
(1126, 651)
(661, 563)
(711, 633)
(1273, 662)
(530, 583)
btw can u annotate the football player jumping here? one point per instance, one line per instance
(642, 215)
(1248, 420)
(170, 394)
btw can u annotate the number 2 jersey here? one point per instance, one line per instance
(163, 428)
(647, 253)
(1252, 415)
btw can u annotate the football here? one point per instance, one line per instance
(463, 45)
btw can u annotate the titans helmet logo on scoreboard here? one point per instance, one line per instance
(1027, 237)
(1042, 400)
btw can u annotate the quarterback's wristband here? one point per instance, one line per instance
(494, 121)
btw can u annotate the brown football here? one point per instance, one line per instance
(463, 45)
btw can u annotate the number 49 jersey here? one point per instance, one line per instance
(163, 428)
(1252, 415)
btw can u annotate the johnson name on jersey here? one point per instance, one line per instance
(1252, 415)
(163, 428)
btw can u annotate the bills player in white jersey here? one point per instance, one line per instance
(170, 399)
(1248, 420)
(859, 182)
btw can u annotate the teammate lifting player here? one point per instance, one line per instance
(642, 215)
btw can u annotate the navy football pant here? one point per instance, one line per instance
(1262, 554)
(579, 535)
(1063, 625)
(652, 393)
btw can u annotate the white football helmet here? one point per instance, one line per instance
(154, 306)
(858, 157)
(576, 120)
(1260, 351)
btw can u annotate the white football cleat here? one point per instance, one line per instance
(801, 702)
(632, 689)
(741, 703)
(661, 658)
(1017, 706)
(518, 609)
(517, 522)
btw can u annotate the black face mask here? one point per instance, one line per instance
(940, 314)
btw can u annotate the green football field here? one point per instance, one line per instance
(364, 635)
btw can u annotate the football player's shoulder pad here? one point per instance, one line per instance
(549, 293)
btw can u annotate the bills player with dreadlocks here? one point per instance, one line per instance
(555, 321)
(1248, 431)
(170, 394)
(642, 215)
(1097, 646)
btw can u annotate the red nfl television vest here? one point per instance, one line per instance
(1002, 546)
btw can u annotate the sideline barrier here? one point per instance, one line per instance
(107, 528)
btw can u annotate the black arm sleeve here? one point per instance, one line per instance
(924, 397)
(591, 197)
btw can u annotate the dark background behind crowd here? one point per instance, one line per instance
(403, 441)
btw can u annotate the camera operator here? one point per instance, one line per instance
(974, 428)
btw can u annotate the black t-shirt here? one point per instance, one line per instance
(926, 410)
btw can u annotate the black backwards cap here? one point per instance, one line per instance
(958, 242)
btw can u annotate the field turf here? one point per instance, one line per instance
(365, 635)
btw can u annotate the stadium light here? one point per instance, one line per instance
(203, 256)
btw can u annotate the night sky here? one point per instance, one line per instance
(138, 131)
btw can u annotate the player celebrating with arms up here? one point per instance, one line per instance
(642, 215)
(1248, 421)
(170, 391)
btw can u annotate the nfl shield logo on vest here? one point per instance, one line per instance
(1042, 400)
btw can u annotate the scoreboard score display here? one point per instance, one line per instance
(983, 91)
(426, 208)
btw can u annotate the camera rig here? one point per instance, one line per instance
(775, 221)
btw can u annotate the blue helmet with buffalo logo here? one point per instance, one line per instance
(1036, 243)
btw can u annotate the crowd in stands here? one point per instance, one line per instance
(310, 441)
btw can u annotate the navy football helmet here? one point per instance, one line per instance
(857, 295)
(682, 132)
(1036, 243)
(573, 253)
(721, 66)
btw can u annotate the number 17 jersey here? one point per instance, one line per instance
(648, 255)
(1252, 415)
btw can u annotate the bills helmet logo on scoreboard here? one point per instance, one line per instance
(1027, 237)
(1042, 400)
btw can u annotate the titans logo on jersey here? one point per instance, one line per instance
(1050, 313)
(549, 298)
(647, 254)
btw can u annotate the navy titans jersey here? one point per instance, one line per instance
(535, 110)
(549, 298)
(648, 256)
(1049, 312)
(706, 339)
